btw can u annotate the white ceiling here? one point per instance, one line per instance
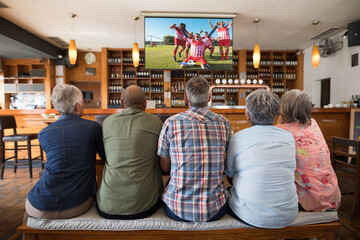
(285, 24)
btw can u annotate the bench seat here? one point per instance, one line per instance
(158, 226)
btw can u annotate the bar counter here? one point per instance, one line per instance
(332, 121)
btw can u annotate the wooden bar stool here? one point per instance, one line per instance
(8, 122)
(343, 151)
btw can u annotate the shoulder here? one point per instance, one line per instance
(151, 117)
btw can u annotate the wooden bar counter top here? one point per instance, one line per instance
(332, 121)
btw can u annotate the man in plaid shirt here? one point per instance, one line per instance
(192, 146)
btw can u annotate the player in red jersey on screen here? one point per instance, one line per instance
(188, 43)
(210, 45)
(224, 38)
(198, 46)
(179, 38)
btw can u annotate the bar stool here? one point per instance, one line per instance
(8, 122)
(345, 168)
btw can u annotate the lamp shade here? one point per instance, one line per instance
(256, 56)
(72, 52)
(135, 54)
(315, 57)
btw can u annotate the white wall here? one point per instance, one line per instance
(345, 80)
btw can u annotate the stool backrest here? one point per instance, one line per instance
(7, 122)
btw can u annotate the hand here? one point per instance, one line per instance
(209, 21)
(217, 23)
(201, 31)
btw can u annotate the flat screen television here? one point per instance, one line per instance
(167, 48)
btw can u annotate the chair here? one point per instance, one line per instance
(342, 150)
(8, 122)
(100, 118)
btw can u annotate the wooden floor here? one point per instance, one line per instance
(14, 188)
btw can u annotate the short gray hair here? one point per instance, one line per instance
(296, 106)
(197, 91)
(262, 107)
(64, 98)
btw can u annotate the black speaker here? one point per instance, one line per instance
(354, 34)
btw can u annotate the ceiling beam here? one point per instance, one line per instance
(20, 35)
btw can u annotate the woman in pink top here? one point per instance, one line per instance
(316, 181)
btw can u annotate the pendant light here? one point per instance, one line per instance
(72, 52)
(135, 49)
(256, 53)
(315, 56)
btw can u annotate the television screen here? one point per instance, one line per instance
(188, 43)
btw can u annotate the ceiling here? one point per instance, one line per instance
(285, 24)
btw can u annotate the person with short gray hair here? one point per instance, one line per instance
(260, 164)
(192, 146)
(197, 92)
(67, 187)
(262, 107)
(65, 97)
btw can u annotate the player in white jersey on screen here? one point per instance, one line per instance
(198, 46)
(223, 38)
(179, 38)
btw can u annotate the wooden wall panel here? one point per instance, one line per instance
(77, 74)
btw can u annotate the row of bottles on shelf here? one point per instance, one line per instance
(131, 73)
(180, 74)
(114, 101)
(158, 99)
(127, 59)
(252, 73)
(218, 97)
(276, 61)
(235, 59)
(278, 74)
(177, 101)
(290, 74)
(114, 87)
(177, 87)
(278, 87)
(265, 73)
(157, 87)
(228, 90)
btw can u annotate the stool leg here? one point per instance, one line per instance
(42, 157)
(16, 159)
(2, 159)
(29, 156)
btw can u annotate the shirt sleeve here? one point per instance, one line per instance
(163, 143)
(99, 141)
(230, 158)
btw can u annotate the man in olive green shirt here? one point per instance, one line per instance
(131, 186)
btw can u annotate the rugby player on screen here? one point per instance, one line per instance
(179, 38)
(223, 38)
(198, 46)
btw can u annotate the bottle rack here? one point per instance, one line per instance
(278, 69)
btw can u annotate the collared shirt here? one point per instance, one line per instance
(196, 142)
(261, 161)
(132, 180)
(316, 181)
(70, 144)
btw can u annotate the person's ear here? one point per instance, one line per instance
(77, 108)
(122, 103)
(247, 116)
(186, 99)
(145, 102)
(209, 96)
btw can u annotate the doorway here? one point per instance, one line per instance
(325, 92)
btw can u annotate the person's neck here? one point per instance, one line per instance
(135, 106)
